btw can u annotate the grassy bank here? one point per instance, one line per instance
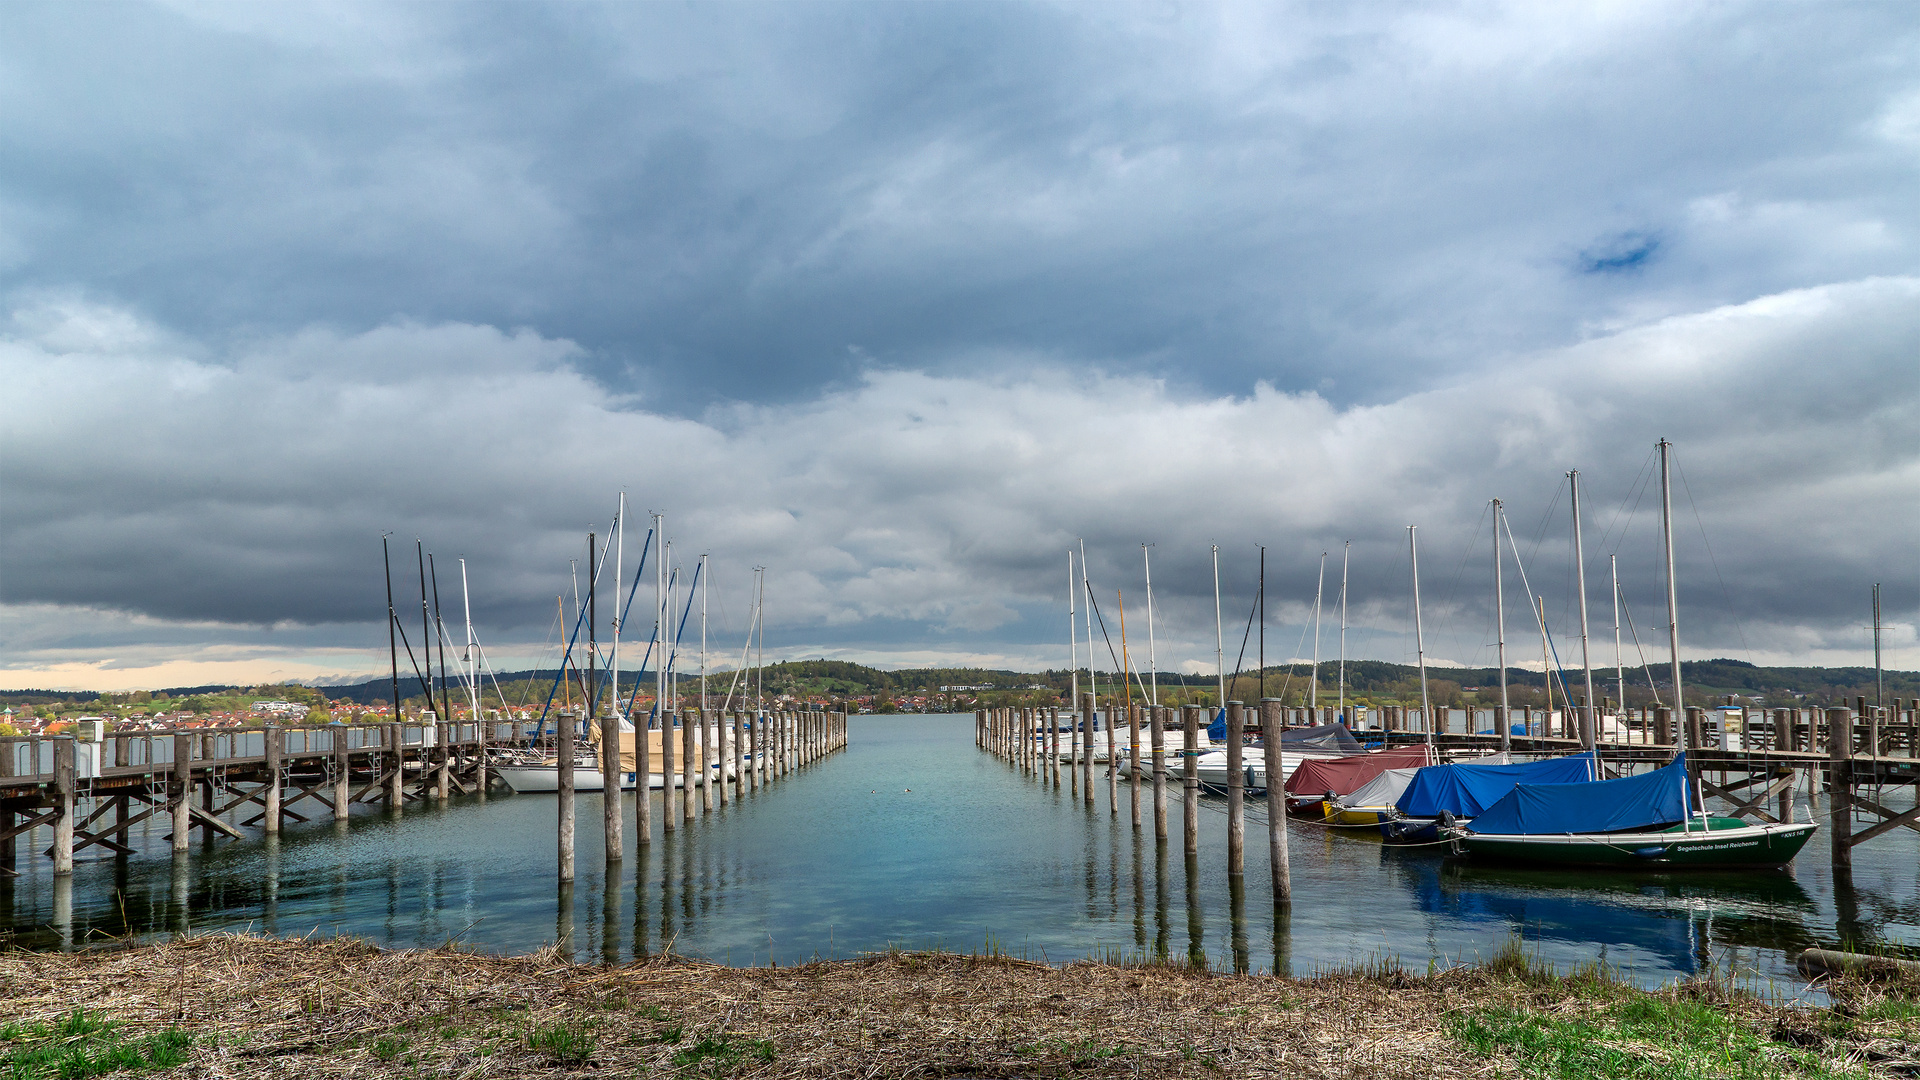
(250, 1007)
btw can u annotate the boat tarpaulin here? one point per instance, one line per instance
(1631, 802)
(1334, 737)
(1465, 789)
(1382, 790)
(1340, 775)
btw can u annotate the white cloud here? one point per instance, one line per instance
(919, 515)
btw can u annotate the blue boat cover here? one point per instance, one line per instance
(1602, 806)
(1465, 789)
(1334, 737)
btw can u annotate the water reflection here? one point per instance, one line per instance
(912, 838)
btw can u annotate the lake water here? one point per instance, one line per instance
(914, 838)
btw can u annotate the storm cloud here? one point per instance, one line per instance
(900, 302)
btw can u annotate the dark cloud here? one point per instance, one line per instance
(900, 301)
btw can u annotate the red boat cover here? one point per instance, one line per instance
(1341, 775)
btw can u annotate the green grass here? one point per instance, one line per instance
(387, 1047)
(1638, 1038)
(78, 1046)
(718, 1055)
(564, 1043)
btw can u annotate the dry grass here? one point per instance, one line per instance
(340, 1008)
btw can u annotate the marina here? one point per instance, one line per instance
(911, 837)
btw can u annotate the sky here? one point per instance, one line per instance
(904, 303)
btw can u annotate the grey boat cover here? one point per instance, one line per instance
(1333, 737)
(1382, 790)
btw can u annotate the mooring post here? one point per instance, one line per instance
(480, 736)
(270, 822)
(722, 757)
(1236, 791)
(1840, 787)
(1086, 766)
(689, 803)
(1190, 776)
(342, 780)
(397, 780)
(182, 790)
(1157, 736)
(443, 754)
(739, 754)
(1663, 726)
(1276, 803)
(63, 796)
(613, 815)
(563, 748)
(1113, 762)
(1133, 758)
(669, 819)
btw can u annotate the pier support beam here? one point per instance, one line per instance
(1190, 777)
(1236, 791)
(1840, 787)
(271, 822)
(1276, 804)
(63, 796)
(181, 781)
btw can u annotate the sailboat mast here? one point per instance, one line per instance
(1673, 596)
(1879, 676)
(660, 632)
(473, 661)
(705, 585)
(1504, 722)
(426, 620)
(760, 649)
(1590, 717)
(1346, 553)
(1261, 598)
(1619, 664)
(1219, 639)
(1420, 635)
(393, 621)
(619, 574)
(1073, 638)
(1546, 657)
(1313, 680)
(1153, 662)
(1093, 676)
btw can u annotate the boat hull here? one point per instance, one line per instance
(1728, 844)
(545, 779)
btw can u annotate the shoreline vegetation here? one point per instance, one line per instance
(845, 684)
(244, 1006)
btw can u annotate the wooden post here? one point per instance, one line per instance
(725, 758)
(480, 738)
(1157, 735)
(270, 823)
(1236, 791)
(1133, 759)
(563, 746)
(1113, 763)
(707, 756)
(1053, 743)
(1782, 731)
(1663, 726)
(1073, 750)
(397, 783)
(342, 781)
(669, 820)
(1086, 745)
(63, 802)
(689, 805)
(1190, 776)
(1696, 728)
(182, 784)
(1840, 787)
(613, 815)
(1276, 804)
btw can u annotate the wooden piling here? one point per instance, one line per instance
(397, 780)
(1113, 764)
(1276, 803)
(1840, 787)
(1053, 743)
(1236, 791)
(1133, 758)
(443, 757)
(613, 817)
(1158, 734)
(563, 742)
(63, 796)
(1086, 745)
(270, 821)
(182, 784)
(669, 820)
(342, 779)
(690, 752)
(1190, 776)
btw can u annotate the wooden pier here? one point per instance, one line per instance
(1751, 760)
(93, 786)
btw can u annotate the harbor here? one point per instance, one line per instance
(912, 838)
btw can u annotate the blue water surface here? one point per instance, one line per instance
(913, 838)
